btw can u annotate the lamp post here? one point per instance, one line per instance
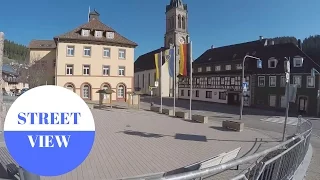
(259, 65)
(287, 71)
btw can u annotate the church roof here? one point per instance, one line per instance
(146, 61)
(95, 24)
(176, 4)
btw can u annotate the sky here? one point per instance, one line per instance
(211, 22)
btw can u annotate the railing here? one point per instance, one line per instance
(276, 163)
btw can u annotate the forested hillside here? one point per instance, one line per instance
(15, 51)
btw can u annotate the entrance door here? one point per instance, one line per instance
(303, 103)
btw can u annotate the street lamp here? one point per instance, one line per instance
(244, 83)
(287, 71)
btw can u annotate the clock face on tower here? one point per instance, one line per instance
(181, 40)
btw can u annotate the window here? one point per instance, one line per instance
(98, 34)
(283, 81)
(149, 79)
(122, 53)
(199, 69)
(239, 66)
(208, 94)
(182, 92)
(228, 67)
(197, 93)
(70, 87)
(121, 89)
(283, 103)
(272, 63)
(142, 79)
(110, 35)
(272, 100)
(261, 81)
(217, 68)
(188, 92)
(208, 68)
(69, 69)
(86, 69)
(272, 81)
(222, 95)
(70, 50)
(297, 62)
(87, 51)
(122, 71)
(86, 91)
(310, 82)
(85, 32)
(297, 81)
(106, 52)
(106, 70)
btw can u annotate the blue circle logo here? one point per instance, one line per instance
(49, 130)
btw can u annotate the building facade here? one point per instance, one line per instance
(176, 34)
(92, 57)
(13, 83)
(217, 77)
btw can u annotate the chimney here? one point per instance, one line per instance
(212, 46)
(299, 44)
(272, 42)
(260, 37)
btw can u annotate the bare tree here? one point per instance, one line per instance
(36, 72)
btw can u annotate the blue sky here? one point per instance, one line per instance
(211, 22)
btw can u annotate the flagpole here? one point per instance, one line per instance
(190, 113)
(161, 81)
(174, 80)
(89, 14)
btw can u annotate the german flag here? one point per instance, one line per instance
(185, 58)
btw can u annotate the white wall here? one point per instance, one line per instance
(202, 95)
(164, 83)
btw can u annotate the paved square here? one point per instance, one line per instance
(131, 143)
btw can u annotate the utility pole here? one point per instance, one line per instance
(287, 71)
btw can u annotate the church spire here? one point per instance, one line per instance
(176, 4)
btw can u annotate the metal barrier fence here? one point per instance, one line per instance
(279, 162)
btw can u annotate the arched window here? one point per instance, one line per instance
(172, 22)
(86, 91)
(183, 23)
(70, 86)
(168, 24)
(179, 21)
(105, 87)
(121, 91)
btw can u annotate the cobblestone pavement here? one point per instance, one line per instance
(130, 143)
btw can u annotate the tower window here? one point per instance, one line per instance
(183, 23)
(179, 21)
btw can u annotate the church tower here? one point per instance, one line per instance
(176, 33)
(176, 23)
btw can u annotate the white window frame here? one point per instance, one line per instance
(270, 81)
(282, 81)
(85, 32)
(106, 70)
(228, 67)
(294, 81)
(264, 81)
(69, 67)
(122, 71)
(85, 50)
(70, 50)
(106, 51)
(297, 59)
(307, 82)
(217, 68)
(122, 54)
(98, 34)
(110, 35)
(86, 70)
(272, 60)
(121, 94)
(83, 92)
(208, 68)
(199, 69)
(238, 66)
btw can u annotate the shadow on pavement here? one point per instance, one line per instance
(221, 128)
(210, 106)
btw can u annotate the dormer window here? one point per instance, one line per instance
(85, 32)
(110, 35)
(297, 61)
(199, 69)
(98, 34)
(272, 63)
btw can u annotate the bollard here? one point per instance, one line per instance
(298, 124)
(25, 175)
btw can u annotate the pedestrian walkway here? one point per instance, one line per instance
(280, 120)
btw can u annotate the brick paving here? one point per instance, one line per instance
(130, 143)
